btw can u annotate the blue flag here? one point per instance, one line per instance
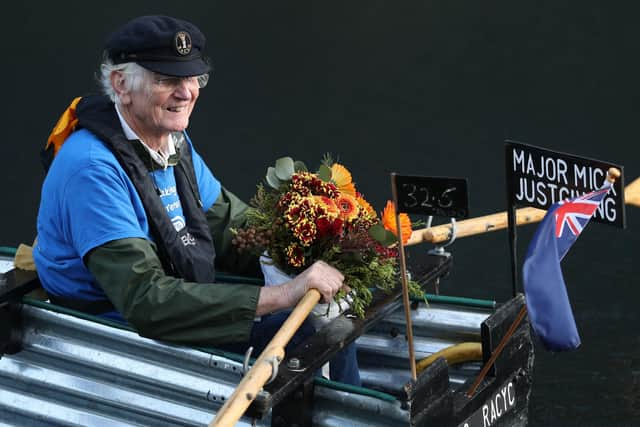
(546, 295)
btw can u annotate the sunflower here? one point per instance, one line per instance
(348, 207)
(389, 222)
(342, 178)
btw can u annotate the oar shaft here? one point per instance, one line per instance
(632, 193)
(470, 227)
(261, 370)
(498, 221)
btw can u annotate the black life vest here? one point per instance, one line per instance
(189, 253)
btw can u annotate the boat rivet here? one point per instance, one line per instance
(293, 363)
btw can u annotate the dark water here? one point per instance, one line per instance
(425, 87)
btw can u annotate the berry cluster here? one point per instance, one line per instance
(250, 239)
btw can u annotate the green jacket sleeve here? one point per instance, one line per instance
(163, 307)
(226, 213)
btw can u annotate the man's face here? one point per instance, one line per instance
(160, 106)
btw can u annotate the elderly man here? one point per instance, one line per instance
(131, 218)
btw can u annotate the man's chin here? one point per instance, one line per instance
(178, 127)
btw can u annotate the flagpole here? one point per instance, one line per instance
(513, 240)
(405, 285)
(512, 224)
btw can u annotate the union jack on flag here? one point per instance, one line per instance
(571, 216)
(548, 304)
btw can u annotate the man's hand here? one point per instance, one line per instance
(320, 275)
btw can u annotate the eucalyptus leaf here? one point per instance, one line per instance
(272, 179)
(377, 232)
(382, 235)
(324, 172)
(284, 168)
(300, 166)
(390, 238)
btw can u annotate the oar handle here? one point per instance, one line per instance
(613, 174)
(632, 193)
(261, 370)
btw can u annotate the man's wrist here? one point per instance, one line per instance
(273, 298)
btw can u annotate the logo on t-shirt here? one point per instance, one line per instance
(166, 182)
(178, 223)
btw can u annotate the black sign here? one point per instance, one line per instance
(538, 177)
(445, 197)
(501, 402)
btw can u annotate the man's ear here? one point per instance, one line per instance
(119, 86)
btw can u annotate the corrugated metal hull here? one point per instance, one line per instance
(75, 372)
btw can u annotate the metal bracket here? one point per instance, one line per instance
(429, 221)
(274, 368)
(439, 250)
(274, 361)
(245, 363)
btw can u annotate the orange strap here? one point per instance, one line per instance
(65, 126)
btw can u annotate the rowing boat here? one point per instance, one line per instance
(60, 367)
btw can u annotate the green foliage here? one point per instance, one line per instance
(382, 235)
(300, 166)
(272, 178)
(285, 168)
(327, 160)
(324, 173)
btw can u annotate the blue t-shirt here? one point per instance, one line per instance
(88, 200)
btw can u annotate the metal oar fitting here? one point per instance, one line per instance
(439, 250)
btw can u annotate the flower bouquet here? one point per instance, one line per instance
(300, 217)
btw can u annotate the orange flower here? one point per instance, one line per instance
(342, 177)
(365, 206)
(389, 222)
(329, 205)
(348, 207)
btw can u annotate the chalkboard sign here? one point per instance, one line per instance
(539, 177)
(444, 197)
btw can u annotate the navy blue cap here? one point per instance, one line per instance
(162, 44)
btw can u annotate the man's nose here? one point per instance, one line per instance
(184, 89)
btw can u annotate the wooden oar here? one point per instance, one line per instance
(498, 221)
(262, 369)
(632, 193)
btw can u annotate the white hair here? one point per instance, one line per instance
(136, 77)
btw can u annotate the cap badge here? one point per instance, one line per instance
(182, 42)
